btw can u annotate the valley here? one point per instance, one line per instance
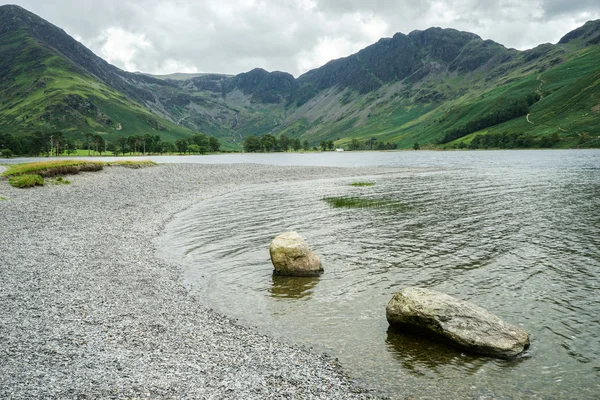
(438, 88)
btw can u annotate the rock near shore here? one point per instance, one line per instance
(291, 256)
(462, 323)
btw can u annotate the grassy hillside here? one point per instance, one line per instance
(438, 88)
(40, 90)
(477, 89)
(565, 80)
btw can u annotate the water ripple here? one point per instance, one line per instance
(522, 242)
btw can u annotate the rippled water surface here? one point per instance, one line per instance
(516, 232)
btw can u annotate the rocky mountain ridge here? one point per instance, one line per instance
(407, 88)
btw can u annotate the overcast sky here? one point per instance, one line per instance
(233, 36)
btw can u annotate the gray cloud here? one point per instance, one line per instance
(231, 36)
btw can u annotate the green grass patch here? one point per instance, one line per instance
(69, 167)
(362, 184)
(54, 168)
(132, 164)
(61, 181)
(3, 198)
(25, 181)
(359, 202)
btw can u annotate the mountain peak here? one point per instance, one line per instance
(12, 7)
(586, 35)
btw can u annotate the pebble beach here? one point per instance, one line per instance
(89, 310)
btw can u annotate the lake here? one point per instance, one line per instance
(516, 232)
(394, 159)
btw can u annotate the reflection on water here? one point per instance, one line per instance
(425, 356)
(519, 236)
(292, 287)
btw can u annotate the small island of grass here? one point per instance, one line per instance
(362, 184)
(359, 202)
(33, 174)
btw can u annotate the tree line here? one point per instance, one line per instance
(371, 144)
(268, 143)
(56, 143)
(511, 140)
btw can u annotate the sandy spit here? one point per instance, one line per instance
(89, 310)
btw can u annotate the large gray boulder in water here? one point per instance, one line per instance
(462, 323)
(291, 256)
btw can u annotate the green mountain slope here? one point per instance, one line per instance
(427, 87)
(438, 87)
(41, 89)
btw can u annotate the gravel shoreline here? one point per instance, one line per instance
(89, 310)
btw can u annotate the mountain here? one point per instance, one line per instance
(437, 87)
(49, 81)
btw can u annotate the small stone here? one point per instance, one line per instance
(291, 256)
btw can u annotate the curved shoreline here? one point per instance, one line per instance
(87, 307)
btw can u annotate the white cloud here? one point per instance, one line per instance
(232, 36)
(120, 47)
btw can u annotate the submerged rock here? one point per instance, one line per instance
(291, 256)
(464, 324)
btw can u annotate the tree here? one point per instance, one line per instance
(296, 144)
(323, 145)
(37, 144)
(182, 145)
(371, 143)
(168, 147)
(114, 149)
(201, 140)
(99, 144)
(122, 141)
(549, 141)
(142, 142)
(268, 142)
(56, 141)
(214, 144)
(133, 142)
(69, 147)
(354, 145)
(284, 142)
(416, 146)
(194, 148)
(330, 145)
(89, 136)
(252, 144)
(305, 145)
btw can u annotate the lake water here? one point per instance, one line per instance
(517, 232)
(397, 159)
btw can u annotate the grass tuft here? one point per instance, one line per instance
(133, 164)
(3, 198)
(362, 184)
(61, 181)
(358, 202)
(25, 181)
